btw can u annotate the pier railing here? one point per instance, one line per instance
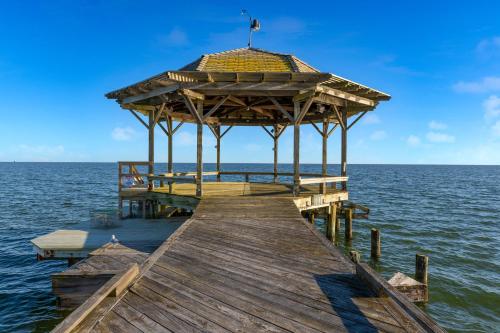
(130, 177)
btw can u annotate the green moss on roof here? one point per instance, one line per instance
(249, 60)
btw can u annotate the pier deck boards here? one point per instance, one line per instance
(247, 264)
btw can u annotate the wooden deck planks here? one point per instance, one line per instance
(250, 264)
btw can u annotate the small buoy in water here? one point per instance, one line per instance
(114, 239)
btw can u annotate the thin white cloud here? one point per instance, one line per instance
(484, 85)
(378, 135)
(285, 25)
(496, 129)
(489, 47)
(440, 137)
(435, 125)
(413, 141)
(371, 119)
(491, 107)
(123, 133)
(176, 37)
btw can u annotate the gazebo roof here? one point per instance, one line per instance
(248, 86)
(249, 60)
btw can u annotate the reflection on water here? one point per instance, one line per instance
(450, 213)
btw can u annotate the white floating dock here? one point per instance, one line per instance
(139, 234)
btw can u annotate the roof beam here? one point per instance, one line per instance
(192, 94)
(281, 109)
(216, 107)
(153, 93)
(192, 109)
(346, 96)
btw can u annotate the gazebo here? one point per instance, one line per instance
(247, 87)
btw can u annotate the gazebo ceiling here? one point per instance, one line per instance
(248, 86)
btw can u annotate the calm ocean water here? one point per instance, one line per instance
(451, 213)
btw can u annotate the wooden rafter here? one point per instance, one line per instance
(339, 117)
(192, 109)
(281, 109)
(159, 113)
(304, 110)
(154, 93)
(216, 107)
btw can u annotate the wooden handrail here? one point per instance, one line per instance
(133, 162)
(113, 288)
(322, 180)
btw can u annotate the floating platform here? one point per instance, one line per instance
(139, 234)
(247, 264)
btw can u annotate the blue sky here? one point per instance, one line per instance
(439, 60)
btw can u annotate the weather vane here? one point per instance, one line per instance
(254, 25)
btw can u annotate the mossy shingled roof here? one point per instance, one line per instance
(249, 60)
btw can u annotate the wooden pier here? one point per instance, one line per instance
(246, 260)
(247, 264)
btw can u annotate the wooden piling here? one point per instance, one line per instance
(337, 220)
(355, 256)
(421, 268)
(348, 223)
(217, 165)
(375, 244)
(275, 151)
(311, 217)
(331, 222)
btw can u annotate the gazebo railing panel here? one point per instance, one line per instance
(132, 178)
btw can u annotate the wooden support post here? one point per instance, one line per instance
(275, 150)
(337, 220)
(130, 208)
(170, 138)
(355, 256)
(375, 244)
(348, 223)
(343, 159)
(151, 148)
(296, 149)
(120, 207)
(421, 268)
(330, 225)
(322, 187)
(170, 166)
(217, 166)
(143, 209)
(311, 217)
(199, 152)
